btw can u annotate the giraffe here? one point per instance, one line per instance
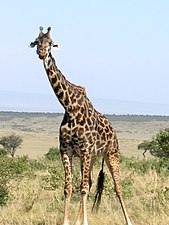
(83, 130)
(79, 88)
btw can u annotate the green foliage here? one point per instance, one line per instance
(160, 165)
(53, 154)
(11, 143)
(15, 168)
(4, 194)
(127, 185)
(35, 164)
(3, 152)
(56, 178)
(7, 172)
(159, 145)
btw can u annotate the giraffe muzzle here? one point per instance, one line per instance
(41, 54)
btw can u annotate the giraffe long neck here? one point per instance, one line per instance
(66, 92)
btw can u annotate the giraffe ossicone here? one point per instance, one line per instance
(41, 28)
(83, 130)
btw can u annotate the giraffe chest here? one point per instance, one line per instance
(78, 136)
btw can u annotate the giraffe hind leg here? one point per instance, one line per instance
(112, 161)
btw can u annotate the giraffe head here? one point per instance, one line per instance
(43, 43)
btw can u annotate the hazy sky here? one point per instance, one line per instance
(116, 49)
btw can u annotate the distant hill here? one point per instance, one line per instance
(25, 102)
(13, 101)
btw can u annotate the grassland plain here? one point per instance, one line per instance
(34, 201)
(40, 130)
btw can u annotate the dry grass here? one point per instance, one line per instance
(31, 204)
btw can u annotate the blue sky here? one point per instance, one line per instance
(116, 49)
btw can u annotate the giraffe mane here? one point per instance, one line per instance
(78, 87)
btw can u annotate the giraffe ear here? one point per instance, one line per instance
(55, 46)
(32, 44)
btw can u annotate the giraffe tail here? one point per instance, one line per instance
(99, 189)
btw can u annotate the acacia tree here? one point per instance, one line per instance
(146, 146)
(11, 143)
(158, 146)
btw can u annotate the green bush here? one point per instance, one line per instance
(160, 165)
(35, 164)
(56, 177)
(14, 168)
(53, 154)
(6, 174)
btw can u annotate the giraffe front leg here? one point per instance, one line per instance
(85, 167)
(82, 214)
(68, 186)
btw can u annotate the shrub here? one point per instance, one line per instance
(53, 154)
(37, 164)
(160, 165)
(55, 180)
(10, 169)
(6, 173)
